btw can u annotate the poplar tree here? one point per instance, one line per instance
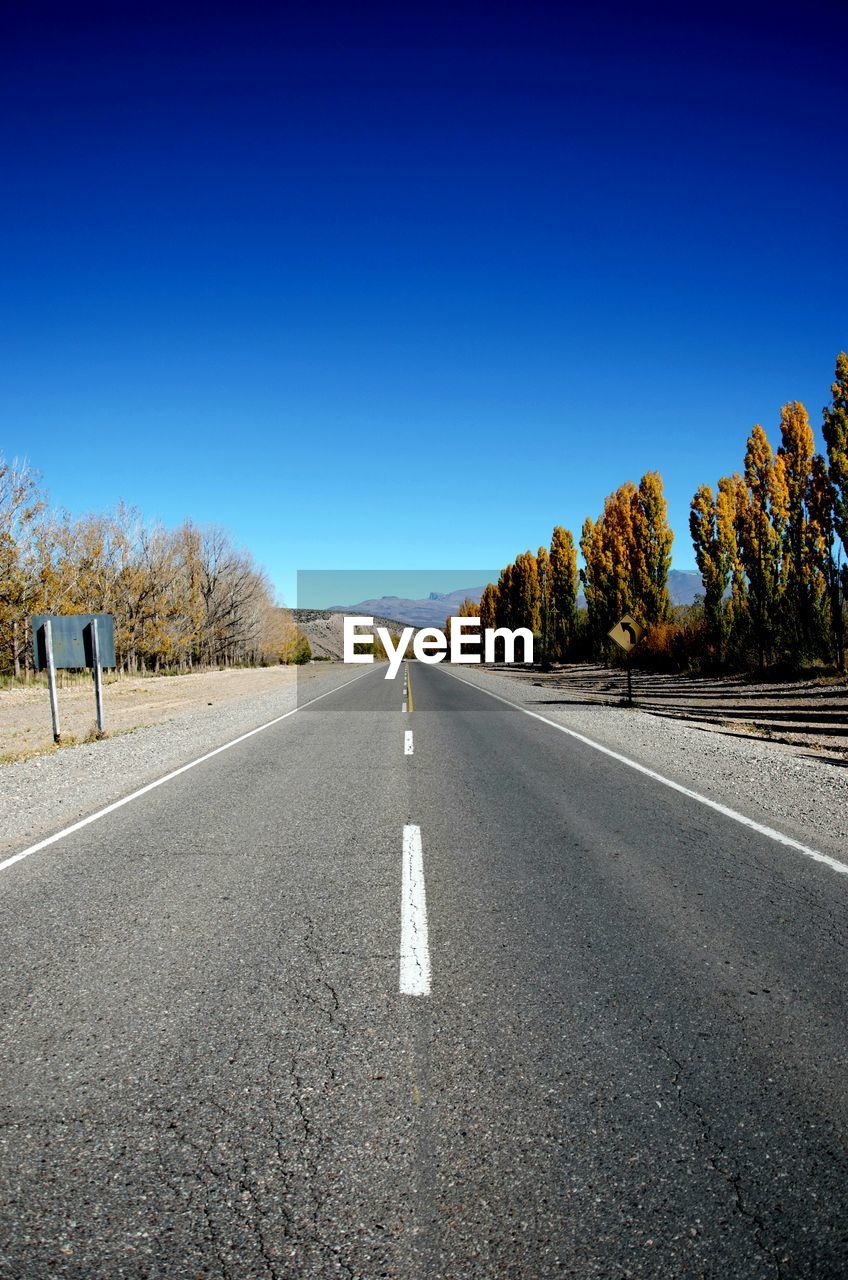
(607, 547)
(729, 499)
(650, 551)
(503, 603)
(820, 551)
(468, 609)
(563, 591)
(489, 607)
(835, 430)
(793, 475)
(543, 572)
(591, 576)
(761, 503)
(713, 564)
(627, 555)
(525, 592)
(617, 543)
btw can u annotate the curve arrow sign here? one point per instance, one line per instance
(626, 633)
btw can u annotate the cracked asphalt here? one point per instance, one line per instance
(632, 1062)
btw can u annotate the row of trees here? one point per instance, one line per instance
(627, 556)
(771, 542)
(539, 592)
(626, 553)
(771, 545)
(181, 597)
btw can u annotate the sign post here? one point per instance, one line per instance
(51, 680)
(627, 633)
(98, 678)
(74, 642)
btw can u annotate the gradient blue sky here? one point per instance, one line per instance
(407, 286)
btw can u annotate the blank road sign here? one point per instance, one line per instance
(72, 643)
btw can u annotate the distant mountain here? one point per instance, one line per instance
(325, 630)
(683, 586)
(415, 613)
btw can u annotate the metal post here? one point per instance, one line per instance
(98, 679)
(51, 680)
(629, 684)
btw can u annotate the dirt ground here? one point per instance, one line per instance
(129, 703)
(809, 713)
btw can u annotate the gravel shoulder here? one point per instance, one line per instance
(179, 718)
(131, 702)
(801, 794)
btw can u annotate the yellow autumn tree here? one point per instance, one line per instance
(712, 561)
(803, 582)
(503, 602)
(627, 555)
(489, 606)
(835, 431)
(821, 536)
(563, 591)
(525, 592)
(651, 550)
(761, 504)
(543, 573)
(607, 547)
(179, 597)
(468, 609)
(22, 506)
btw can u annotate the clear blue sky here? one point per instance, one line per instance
(404, 285)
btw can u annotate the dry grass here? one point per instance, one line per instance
(130, 703)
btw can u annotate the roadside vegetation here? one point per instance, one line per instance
(770, 542)
(183, 599)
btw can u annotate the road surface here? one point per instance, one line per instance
(428, 993)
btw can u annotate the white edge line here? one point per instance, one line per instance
(770, 832)
(175, 773)
(407, 743)
(414, 975)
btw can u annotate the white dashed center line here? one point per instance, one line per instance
(407, 743)
(414, 945)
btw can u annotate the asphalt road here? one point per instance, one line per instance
(631, 1060)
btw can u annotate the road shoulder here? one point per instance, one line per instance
(47, 792)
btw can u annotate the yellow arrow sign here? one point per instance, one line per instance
(626, 633)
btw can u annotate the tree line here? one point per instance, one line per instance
(770, 543)
(182, 598)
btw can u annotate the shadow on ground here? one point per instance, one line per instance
(808, 713)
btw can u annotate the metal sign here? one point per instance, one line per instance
(626, 633)
(73, 641)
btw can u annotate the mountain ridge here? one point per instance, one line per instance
(431, 611)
